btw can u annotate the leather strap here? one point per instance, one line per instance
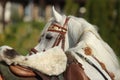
(92, 64)
(1, 77)
(74, 70)
(104, 68)
(22, 71)
(62, 31)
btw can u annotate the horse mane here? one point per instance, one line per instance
(88, 26)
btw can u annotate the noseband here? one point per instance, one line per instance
(61, 36)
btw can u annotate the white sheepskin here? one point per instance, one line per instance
(50, 62)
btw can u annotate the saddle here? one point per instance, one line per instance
(22, 71)
(27, 72)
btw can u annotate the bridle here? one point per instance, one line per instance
(61, 30)
(61, 36)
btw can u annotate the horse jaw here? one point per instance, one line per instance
(56, 15)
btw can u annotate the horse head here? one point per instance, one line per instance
(53, 31)
(61, 30)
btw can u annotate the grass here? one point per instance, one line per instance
(22, 36)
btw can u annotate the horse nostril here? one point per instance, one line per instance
(48, 36)
(34, 50)
(10, 53)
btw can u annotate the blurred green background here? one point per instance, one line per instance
(22, 36)
(105, 14)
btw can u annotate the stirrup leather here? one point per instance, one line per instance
(21, 71)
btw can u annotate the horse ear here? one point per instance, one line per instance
(56, 15)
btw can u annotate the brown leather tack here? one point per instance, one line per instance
(74, 70)
(22, 71)
(102, 65)
(88, 50)
(104, 68)
(1, 78)
(110, 73)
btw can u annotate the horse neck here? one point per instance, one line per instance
(77, 28)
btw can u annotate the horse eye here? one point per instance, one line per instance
(49, 36)
(39, 40)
